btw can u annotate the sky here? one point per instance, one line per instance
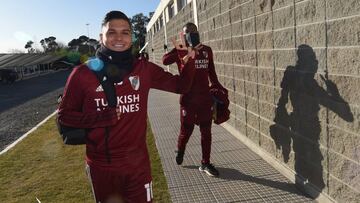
(24, 20)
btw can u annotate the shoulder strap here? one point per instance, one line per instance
(108, 87)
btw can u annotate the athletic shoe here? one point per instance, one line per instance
(179, 157)
(209, 169)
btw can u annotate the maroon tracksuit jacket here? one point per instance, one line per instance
(196, 105)
(124, 150)
(205, 69)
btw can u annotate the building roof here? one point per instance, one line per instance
(16, 60)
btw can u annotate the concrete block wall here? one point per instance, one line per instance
(292, 69)
(173, 27)
(156, 46)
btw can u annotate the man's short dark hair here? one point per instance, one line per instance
(115, 15)
(191, 27)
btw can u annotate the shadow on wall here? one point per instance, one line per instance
(301, 127)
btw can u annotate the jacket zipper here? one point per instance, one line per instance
(107, 151)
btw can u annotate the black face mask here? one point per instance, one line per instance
(192, 39)
(116, 64)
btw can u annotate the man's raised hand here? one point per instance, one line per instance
(182, 46)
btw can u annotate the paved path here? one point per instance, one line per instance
(244, 176)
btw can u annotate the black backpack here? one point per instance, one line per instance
(78, 136)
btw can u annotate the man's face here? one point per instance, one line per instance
(116, 35)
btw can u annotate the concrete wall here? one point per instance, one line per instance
(292, 69)
(173, 27)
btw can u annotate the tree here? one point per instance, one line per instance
(84, 45)
(49, 44)
(83, 39)
(29, 47)
(151, 14)
(139, 22)
(74, 43)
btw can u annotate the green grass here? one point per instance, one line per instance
(42, 167)
(161, 193)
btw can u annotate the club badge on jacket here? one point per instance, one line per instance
(205, 54)
(135, 82)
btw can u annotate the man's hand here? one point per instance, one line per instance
(182, 46)
(177, 45)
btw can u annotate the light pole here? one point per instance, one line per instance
(87, 29)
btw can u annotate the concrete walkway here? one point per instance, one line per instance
(244, 176)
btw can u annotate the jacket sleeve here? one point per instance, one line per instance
(174, 56)
(212, 74)
(70, 111)
(170, 57)
(172, 83)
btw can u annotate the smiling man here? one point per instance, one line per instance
(116, 154)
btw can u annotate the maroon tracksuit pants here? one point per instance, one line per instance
(189, 116)
(120, 185)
